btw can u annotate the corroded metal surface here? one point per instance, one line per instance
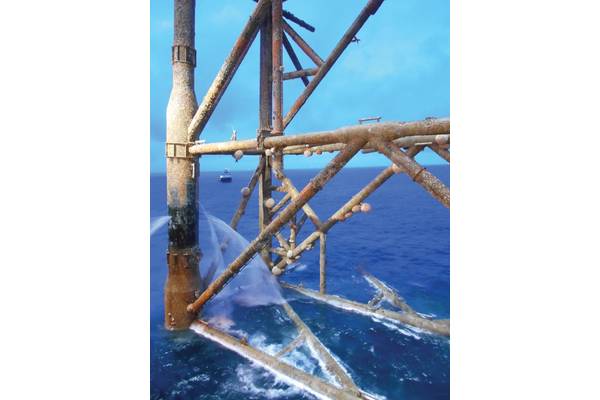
(418, 140)
(322, 262)
(277, 54)
(385, 130)
(418, 173)
(246, 197)
(308, 210)
(183, 280)
(300, 73)
(302, 44)
(265, 126)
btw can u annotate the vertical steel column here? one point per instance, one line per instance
(183, 255)
(322, 263)
(265, 117)
(277, 19)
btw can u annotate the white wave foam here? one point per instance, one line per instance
(248, 376)
(196, 327)
(396, 328)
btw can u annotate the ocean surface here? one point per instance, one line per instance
(403, 241)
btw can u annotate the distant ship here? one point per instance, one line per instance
(225, 176)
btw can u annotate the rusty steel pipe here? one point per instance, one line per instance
(418, 140)
(277, 53)
(289, 16)
(302, 44)
(264, 131)
(281, 203)
(439, 141)
(384, 130)
(183, 255)
(300, 73)
(225, 74)
(322, 263)
(298, 150)
(292, 54)
(244, 201)
(417, 173)
(312, 188)
(295, 193)
(366, 12)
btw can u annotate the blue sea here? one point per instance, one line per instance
(403, 241)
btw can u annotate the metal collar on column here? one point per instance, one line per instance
(184, 54)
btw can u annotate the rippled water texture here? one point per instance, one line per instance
(404, 241)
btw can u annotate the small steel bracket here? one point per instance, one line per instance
(178, 150)
(184, 54)
(368, 119)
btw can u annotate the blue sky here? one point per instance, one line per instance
(400, 71)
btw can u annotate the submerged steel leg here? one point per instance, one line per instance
(183, 257)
